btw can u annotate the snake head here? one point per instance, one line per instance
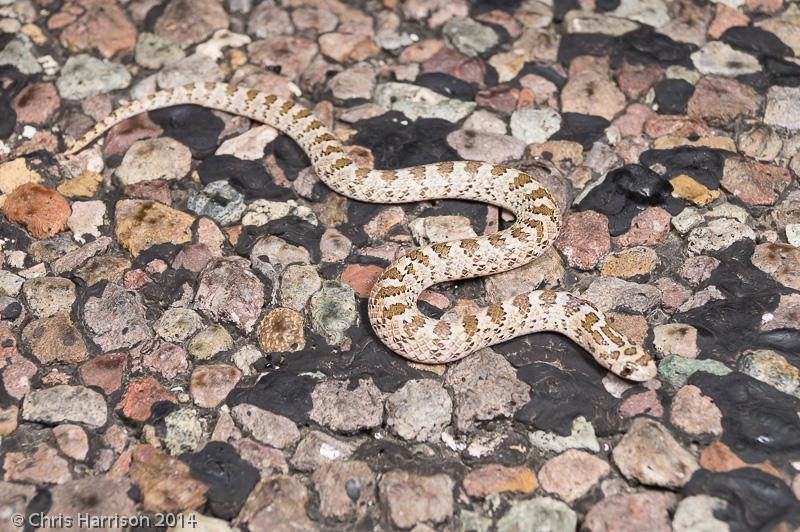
(638, 366)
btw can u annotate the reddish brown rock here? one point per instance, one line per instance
(166, 483)
(123, 135)
(584, 239)
(572, 474)
(94, 24)
(43, 211)
(36, 103)
(719, 458)
(44, 466)
(140, 396)
(105, 371)
(721, 101)
(496, 478)
(724, 19)
(635, 80)
(211, 384)
(361, 277)
(754, 183)
(675, 126)
(649, 227)
(449, 61)
(642, 403)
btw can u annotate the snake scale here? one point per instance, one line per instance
(392, 303)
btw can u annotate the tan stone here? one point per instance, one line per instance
(145, 223)
(281, 330)
(685, 187)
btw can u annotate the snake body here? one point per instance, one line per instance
(392, 305)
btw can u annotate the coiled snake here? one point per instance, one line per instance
(392, 303)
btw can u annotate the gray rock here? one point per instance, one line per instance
(271, 255)
(720, 59)
(245, 357)
(10, 283)
(419, 410)
(177, 324)
(611, 293)
(347, 410)
(650, 454)
(84, 76)
(117, 318)
(18, 53)
(93, 496)
(298, 283)
(783, 108)
(651, 12)
(539, 514)
(588, 22)
(154, 52)
(582, 436)
(696, 514)
(677, 369)
(210, 342)
(333, 311)
(717, 235)
(485, 387)
(197, 68)
(219, 201)
(420, 102)
(411, 499)
(346, 489)
(150, 159)
(229, 291)
(358, 81)
(317, 449)
(534, 125)
(469, 36)
(184, 431)
(63, 403)
(266, 427)
(489, 147)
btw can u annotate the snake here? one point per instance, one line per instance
(392, 305)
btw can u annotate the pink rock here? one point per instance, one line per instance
(167, 359)
(17, 376)
(449, 61)
(720, 101)
(572, 474)
(695, 413)
(72, 441)
(105, 371)
(36, 103)
(630, 512)
(43, 467)
(649, 227)
(635, 80)
(754, 183)
(724, 19)
(584, 239)
(642, 403)
(211, 384)
(101, 25)
(632, 121)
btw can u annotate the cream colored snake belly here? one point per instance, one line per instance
(392, 304)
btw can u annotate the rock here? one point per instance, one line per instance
(590, 91)
(36, 103)
(43, 211)
(696, 514)
(641, 403)
(468, 36)
(719, 458)
(347, 410)
(8, 423)
(412, 499)
(489, 147)
(86, 219)
(103, 268)
(102, 25)
(696, 270)
(357, 81)
(760, 142)
(785, 314)
(539, 513)
(105, 372)
(783, 108)
(281, 330)
(419, 410)
(649, 454)
(219, 201)
(165, 482)
(91, 499)
(177, 324)
(675, 339)
(361, 278)
(495, 478)
(534, 125)
(717, 235)
(196, 68)
(84, 76)
(151, 159)
(685, 187)
(646, 510)
(211, 384)
(184, 431)
(719, 59)
(274, 430)
(140, 396)
(632, 262)
(420, 102)
(47, 296)
(43, 467)
(754, 183)
(584, 239)
(298, 283)
(141, 224)
(72, 441)
(155, 52)
(773, 368)
(117, 318)
(18, 53)
(278, 503)
(694, 413)
(434, 229)
(651, 12)
(10, 283)
(779, 261)
(229, 291)
(582, 436)
(485, 386)
(187, 22)
(278, 255)
(343, 47)
(317, 449)
(292, 54)
(333, 311)
(577, 21)
(55, 340)
(677, 369)
(210, 342)
(346, 489)
(544, 271)
(573, 474)
(63, 403)
(720, 101)
(611, 293)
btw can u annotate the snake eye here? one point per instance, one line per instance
(627, 370)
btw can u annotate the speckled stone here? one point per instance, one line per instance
(419, 410)
(333, 311)
(151, 159)
(411, 499)
(342, 409)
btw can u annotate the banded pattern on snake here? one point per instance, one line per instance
(392, 303)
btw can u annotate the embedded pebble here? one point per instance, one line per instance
(219, 201)
(84, 76)
(152, 159)
(419, 410)
(345, 409)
